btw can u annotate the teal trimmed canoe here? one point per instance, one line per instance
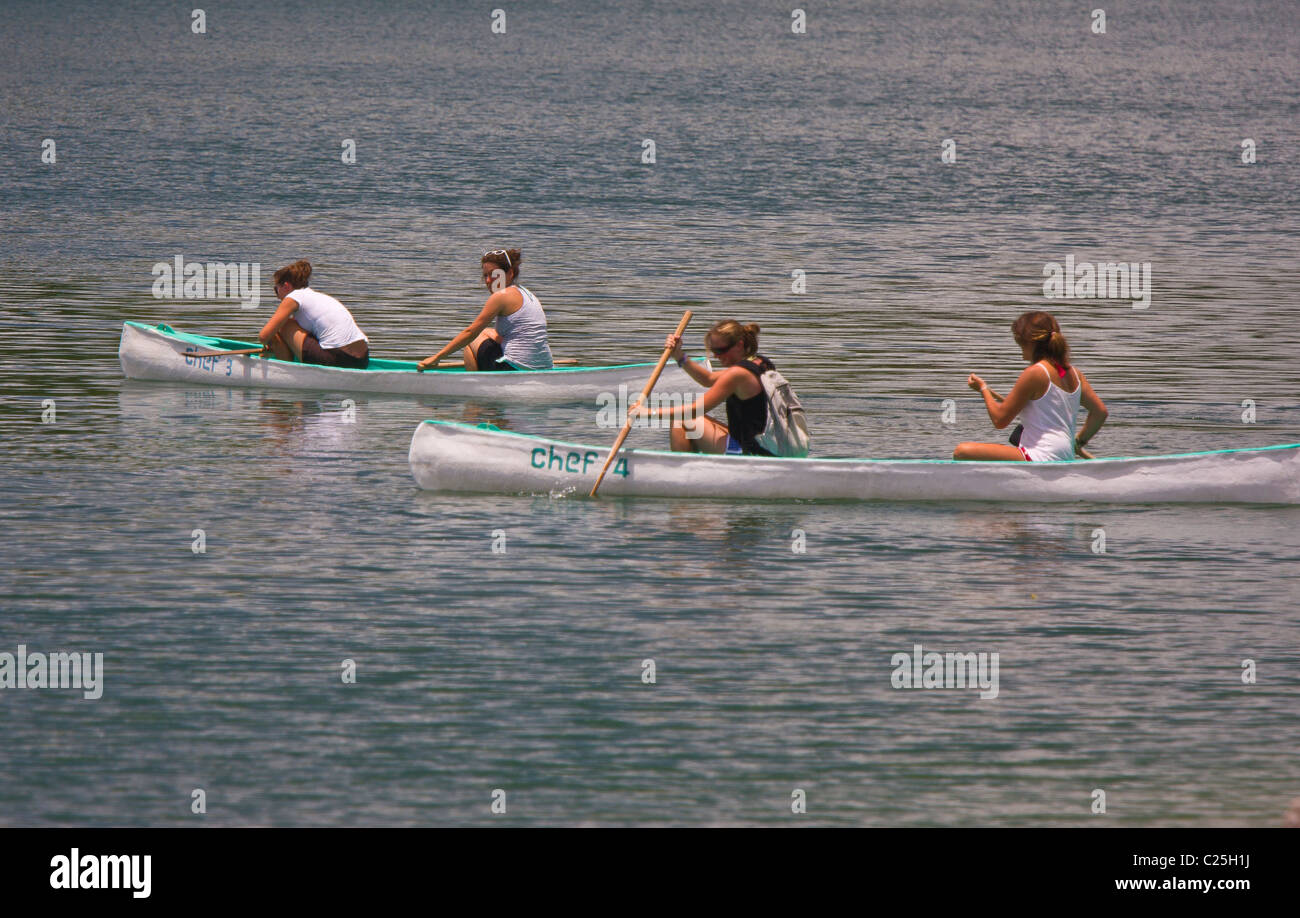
(163, 353)
(461, 458)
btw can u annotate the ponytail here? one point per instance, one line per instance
(1041, 331)
(733, 331)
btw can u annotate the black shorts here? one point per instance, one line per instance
(490, 356)
(312, 352)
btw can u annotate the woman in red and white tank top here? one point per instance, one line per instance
(1046, 396)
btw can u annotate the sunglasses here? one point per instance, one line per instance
(719, 351)
(499, 252)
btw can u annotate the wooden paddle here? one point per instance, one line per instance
(561, 362)
(645, 393)
(251, 350)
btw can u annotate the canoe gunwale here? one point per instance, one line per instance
(449, 456)
(958, 462)
(164, 354)
(378, 364)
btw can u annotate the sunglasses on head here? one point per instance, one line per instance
(503, 252)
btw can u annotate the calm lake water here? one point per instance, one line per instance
(523, 671)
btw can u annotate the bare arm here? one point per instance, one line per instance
(288, 306)
(1097, 412)
(694, 369)
(726, 383)
(491, 309)
(1002, 411)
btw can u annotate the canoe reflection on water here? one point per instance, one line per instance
(1023, 536)
(481, 413)
(741, 531)
(164, 404)
(734, 542)
(246, 424)
(242, 421)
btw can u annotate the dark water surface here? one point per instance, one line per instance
(522, 670)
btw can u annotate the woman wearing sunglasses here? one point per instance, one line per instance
(518, 340)
(735, 346)
(1046, 397)
(312, 326)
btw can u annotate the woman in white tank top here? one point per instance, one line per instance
(518, 341)
(312, 326)
(1046, 396)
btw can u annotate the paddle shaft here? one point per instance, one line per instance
(561, 362)
(567, 361)
(645, 393)
(251, 350)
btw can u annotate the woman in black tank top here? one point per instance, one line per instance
(746, 417)
(737, 385)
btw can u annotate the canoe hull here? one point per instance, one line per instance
(150, 353)
(460, 458)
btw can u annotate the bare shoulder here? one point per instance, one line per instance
(742, 381)
(1036, 377)
(507, 300)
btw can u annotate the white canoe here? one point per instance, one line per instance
(458, 457)
(149, 352)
